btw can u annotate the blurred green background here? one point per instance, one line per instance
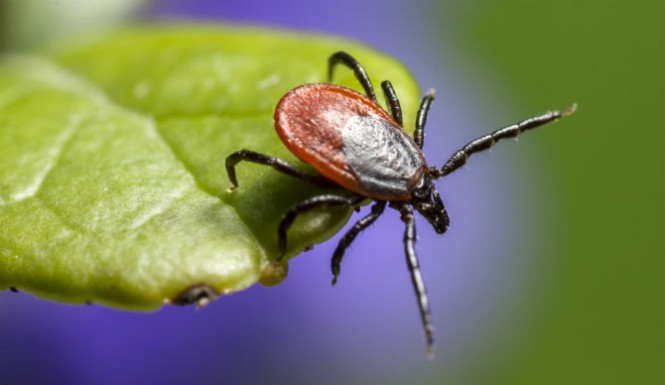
(599, 314)
(602, 310)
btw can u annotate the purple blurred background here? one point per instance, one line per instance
(367, 328)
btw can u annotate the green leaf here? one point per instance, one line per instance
(112, 180)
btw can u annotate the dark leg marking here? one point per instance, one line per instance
(276, 163)
(393, 101)
(349, 61)
(347, 239)
(292, 214)
(406, 214)
(421, 118)
(459, 158)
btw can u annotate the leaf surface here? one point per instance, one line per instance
(112, 180)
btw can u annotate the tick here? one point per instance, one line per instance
(357, 146)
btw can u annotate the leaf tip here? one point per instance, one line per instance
(273, 273)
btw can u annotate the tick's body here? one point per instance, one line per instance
(356, 145)
(350, 140)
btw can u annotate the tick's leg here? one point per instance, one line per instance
(406, 214)
(349, 61)
(393, 102)
(292, 214)
(459, 158)
(276, 163)
(421, 118)
(362, 224)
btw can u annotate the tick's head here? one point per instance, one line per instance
(426, 200)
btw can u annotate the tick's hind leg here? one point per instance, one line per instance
(276, 163)
(292, 214)
(345, 242)
(344, 58)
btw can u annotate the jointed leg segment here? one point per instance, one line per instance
(347, 239)
(459, 158)
(393, 102)
(276, 163)
(360, 73)
(421, 118)
(292, 214)
(286, 168)
(349, 61)
(406, 214)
